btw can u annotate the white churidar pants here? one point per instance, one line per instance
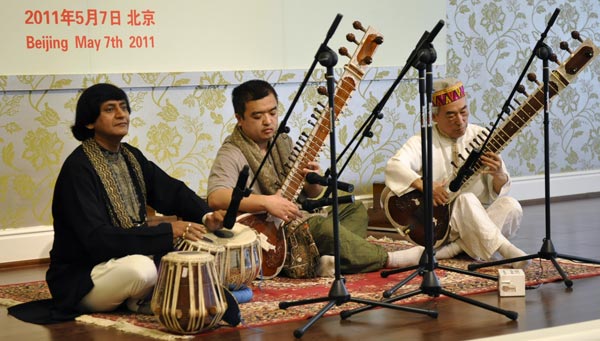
(130, 278)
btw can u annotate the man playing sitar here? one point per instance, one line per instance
(481, 217)
(256, 110)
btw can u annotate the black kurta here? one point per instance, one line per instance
(84, 235)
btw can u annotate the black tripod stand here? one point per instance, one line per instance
(338, 294)
(547, 251)
(425, 56)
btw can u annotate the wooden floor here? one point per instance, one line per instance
(574, 227)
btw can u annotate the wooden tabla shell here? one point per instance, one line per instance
(218, 251)
(188, 297)
(243, 256)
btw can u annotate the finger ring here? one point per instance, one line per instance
(183, 235)
(187, 228)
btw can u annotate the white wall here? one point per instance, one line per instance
(204, 35)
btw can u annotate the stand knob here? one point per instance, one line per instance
(322, 91)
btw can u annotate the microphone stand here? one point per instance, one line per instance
(547, 250)
(366, 129)
(338, 294)
(282, 126)
(425, 56)
(239, 192)
(466, 169)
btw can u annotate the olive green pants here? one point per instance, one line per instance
(356, 253)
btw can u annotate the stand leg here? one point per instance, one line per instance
(547, 252)
(338, 294)
(430, 286)
(427, 263)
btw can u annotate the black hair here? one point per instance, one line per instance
(251, 90)
(88, 107)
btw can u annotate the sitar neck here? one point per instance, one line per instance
(524, 114)
(309, 145)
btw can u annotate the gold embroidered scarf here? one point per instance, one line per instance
(115, 204)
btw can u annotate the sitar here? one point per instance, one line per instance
(270, 229)
(405, 212)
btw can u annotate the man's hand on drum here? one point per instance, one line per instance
(281, 208)
(214, 220)
(188, 230)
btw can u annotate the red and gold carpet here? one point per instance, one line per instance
(264, 307)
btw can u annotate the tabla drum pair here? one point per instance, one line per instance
(238, 258)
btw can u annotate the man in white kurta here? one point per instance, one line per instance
(482, 216)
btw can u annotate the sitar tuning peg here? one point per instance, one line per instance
(521, 89)
(575, 35)
(367, 60)
(322, 90)
(351, 38)
(344, 52)
(554, 59)
(532, 78)
(565, 46)
(358, 26)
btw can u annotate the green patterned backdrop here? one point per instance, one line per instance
(179, 119)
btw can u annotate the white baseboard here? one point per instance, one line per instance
(25, 243)
(31, 243)
(564, 184)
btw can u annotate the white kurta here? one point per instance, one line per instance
(480, 219)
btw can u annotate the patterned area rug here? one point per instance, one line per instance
(264, 307)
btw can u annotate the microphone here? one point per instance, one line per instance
(314, 178)
(465, 171)
(334, 26)
(435, 31)
(309, 205)
(554, 16)
(236, 198)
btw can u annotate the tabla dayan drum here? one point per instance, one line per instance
(207, 245)
(243, 255)
(188, 297)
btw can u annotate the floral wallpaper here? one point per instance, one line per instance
(179, 119)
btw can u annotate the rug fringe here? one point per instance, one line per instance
(130, 328)
(7, 302)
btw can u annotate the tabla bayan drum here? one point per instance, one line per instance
(243, 255)
(188, 297)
